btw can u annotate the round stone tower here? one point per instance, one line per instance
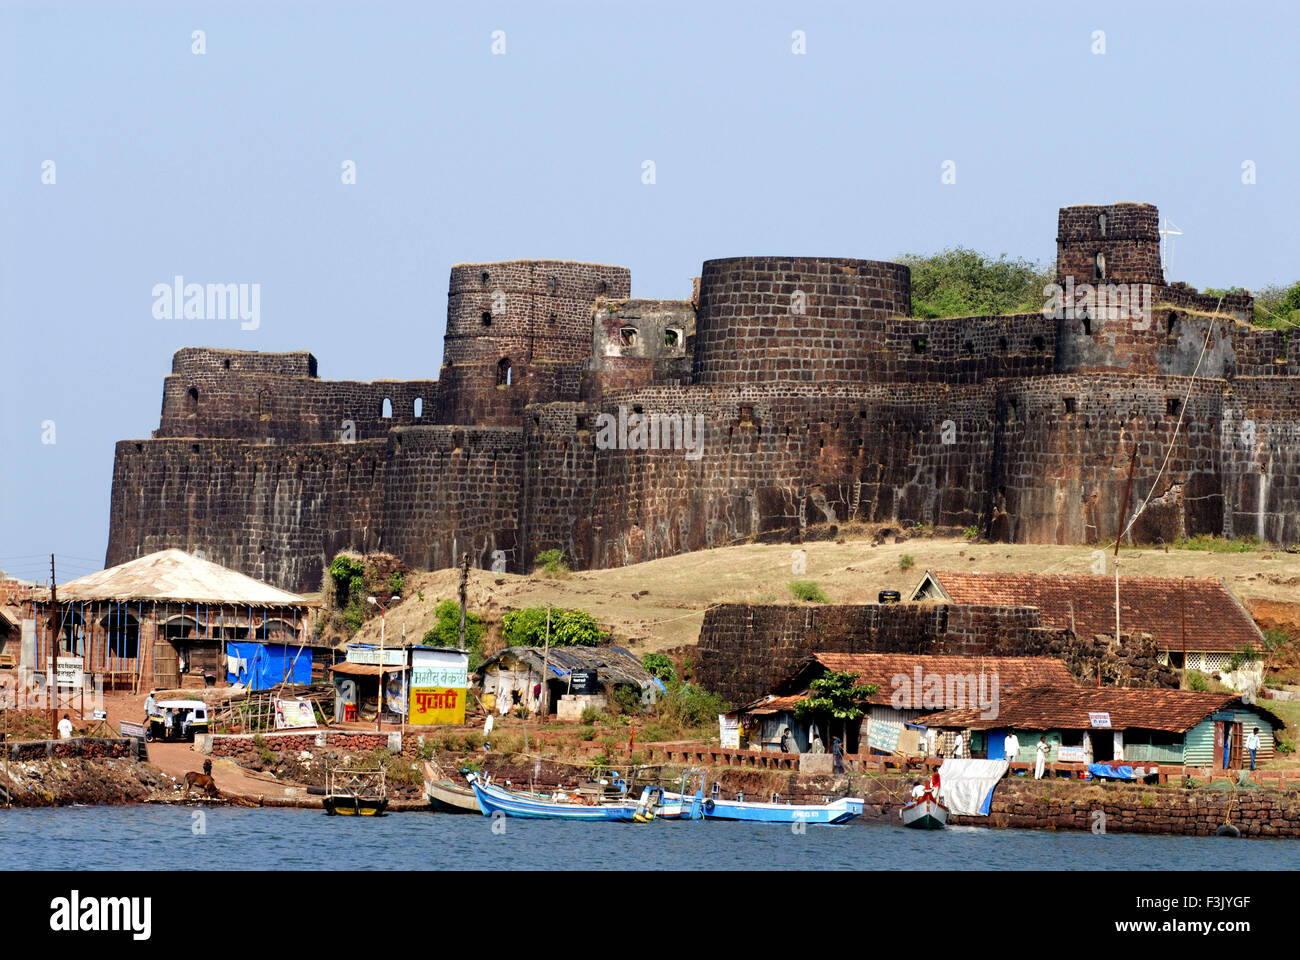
(810, 319)
(519, 331)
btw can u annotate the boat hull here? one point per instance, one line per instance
(926, 813)
(355, 806)
(837, 811)
(448, 797)
(493, 800)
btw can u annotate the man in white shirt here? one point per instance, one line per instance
(65, 728)
(1040, 761)
(1252, 744)
(958, 750)
(1010, 747)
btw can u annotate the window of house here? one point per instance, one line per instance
(504, 372)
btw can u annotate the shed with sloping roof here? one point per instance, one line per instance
(1133, 724)
(1197, 623)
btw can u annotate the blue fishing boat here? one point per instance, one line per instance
(493, 799)
(834, 811)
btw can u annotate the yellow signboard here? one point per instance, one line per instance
(437, 705)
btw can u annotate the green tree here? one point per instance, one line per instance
(659, 666)
(446, 631)
(960, 282)
(569, 628)
(836, 693)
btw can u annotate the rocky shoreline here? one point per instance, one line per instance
(51, 781)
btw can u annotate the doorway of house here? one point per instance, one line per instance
(1103, 745)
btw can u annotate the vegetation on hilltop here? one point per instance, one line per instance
(960, 282)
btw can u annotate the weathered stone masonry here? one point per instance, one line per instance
(822, 402)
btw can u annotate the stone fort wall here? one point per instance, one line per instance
(819, 401)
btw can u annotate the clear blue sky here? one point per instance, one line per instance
(226, 167)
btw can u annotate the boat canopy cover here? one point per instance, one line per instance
(966, 785)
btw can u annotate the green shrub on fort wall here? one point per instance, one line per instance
(808, 591)
(1197, 681)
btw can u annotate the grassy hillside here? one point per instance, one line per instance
(657, 605)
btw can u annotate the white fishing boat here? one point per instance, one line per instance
(925, 813)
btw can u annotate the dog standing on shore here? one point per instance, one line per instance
(202, 780)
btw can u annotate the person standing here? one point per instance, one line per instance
(1252, 744)
(837, 753)
(1040, 761)
(148, 705)
(958, 750)
(1010, 747)
(65, 733)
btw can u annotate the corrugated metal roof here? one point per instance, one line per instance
(1161, 606)
(611, 663)
(174, 575)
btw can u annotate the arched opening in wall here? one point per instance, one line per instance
(486, 318)
(263, 405)
(192, 402)
(1172, 406)
(1071, 404)
(386, 409)
(967, 347)
(505, 375)
(1099, 267)
(486, 278)
(627, 336)
(417, 408)
(227, 364)
(1085, 326)
(552, 284)
(672, 337)
(1002, 344)
(1039, 343)
(601, 288)
(1171, 324)
(918, 345)
(1101, 224)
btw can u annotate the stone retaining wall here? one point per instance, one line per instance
(229, 745)
(89, 747)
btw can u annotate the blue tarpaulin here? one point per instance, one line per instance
(266, 665)
(1111, 773)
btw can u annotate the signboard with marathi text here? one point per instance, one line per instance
(393, 656)
(1071, 754)
(439, 686)
(1099, 719)
(69, 671)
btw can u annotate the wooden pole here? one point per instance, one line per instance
(546, 662)
(464, 585)
(53, 684)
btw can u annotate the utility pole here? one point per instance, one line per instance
(1123, 513)
(51, 681)
(464, 585)
(546, 662)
